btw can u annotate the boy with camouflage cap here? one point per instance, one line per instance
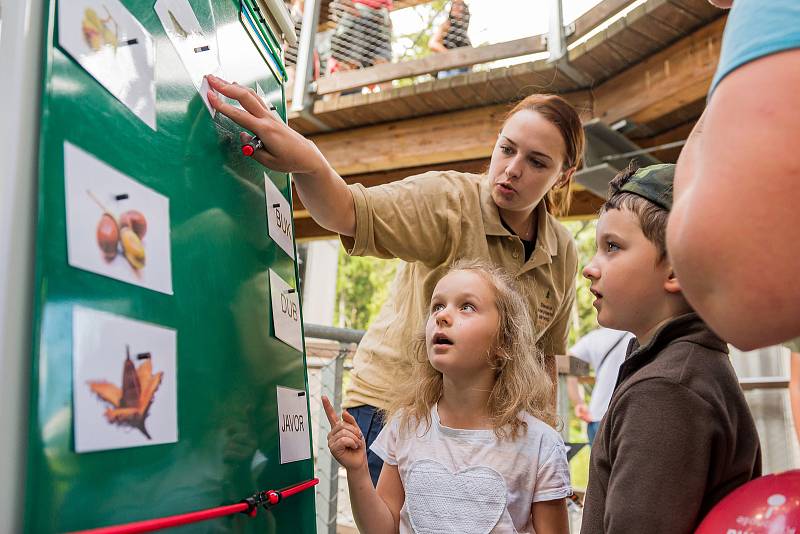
(678, 434)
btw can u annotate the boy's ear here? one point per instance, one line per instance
(671, 284)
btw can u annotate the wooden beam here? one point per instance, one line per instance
(452, 59)
(464, 91)
(462, 57)
(669, 155)
(675, 118)
(596, 16)
(475, 166)
(649, 91)
(584, 205)
(463, 135)
(443, 138)
(644, 31)
(674, 77)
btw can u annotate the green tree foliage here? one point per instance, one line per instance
(362, 285)
(584, 321)
(584, 314)
(415, 44)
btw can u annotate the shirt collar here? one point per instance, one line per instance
(547, 237)
(687, 327)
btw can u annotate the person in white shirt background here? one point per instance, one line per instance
(604, 350)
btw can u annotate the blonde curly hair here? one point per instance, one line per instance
(522, 384)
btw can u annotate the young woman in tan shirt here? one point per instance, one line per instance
(506, 217)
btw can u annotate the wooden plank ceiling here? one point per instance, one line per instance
(651, 68)
(642, 32)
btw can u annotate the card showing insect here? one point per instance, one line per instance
(116, 226)
(198, 51)
(107, 41)
(124, 382)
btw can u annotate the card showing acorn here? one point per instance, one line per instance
(124, 382)
(116, 226)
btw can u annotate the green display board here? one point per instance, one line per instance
(228, 361)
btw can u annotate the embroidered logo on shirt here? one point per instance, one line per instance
(544, 314)
(470, 501)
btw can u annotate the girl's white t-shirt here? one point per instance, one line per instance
(469, 481)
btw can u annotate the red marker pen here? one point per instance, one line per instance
(251, 146)
(255, 143)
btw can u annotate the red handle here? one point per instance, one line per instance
(272, 497)
(275, 497)
(297, 488)
(171, 521)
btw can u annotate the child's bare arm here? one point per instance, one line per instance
(436, 42)
(391, 490)
(346, 443)
(550, 517)
(376, 511)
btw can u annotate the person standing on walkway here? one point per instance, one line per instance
(604, 350)
(452, 34)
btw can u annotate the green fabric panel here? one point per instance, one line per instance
(228, 361)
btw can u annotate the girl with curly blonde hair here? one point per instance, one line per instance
(469, 444)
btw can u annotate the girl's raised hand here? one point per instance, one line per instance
(284, 150)
(345, 440)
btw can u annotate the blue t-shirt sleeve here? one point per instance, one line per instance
(757, 28)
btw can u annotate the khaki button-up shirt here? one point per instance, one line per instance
(430, 221)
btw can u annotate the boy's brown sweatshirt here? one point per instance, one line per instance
(678, 436)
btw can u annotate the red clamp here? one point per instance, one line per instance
(271, 498)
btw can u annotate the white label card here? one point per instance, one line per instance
(116, 226)
(285, 311)
(125, 382)
(279, 217)
(198, 52)
(293, 425)
(111, 44)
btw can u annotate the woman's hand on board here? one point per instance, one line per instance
(283, 150)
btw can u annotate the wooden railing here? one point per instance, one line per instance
(467, 56)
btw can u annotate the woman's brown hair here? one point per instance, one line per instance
(564, 117)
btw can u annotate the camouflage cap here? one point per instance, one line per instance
(653, 183)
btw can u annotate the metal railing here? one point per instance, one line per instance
(349, 46)
(329, 373)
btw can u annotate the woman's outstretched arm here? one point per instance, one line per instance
(322, 191)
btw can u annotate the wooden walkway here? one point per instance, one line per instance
(651, 68)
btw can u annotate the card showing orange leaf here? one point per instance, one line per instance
(141, 380)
